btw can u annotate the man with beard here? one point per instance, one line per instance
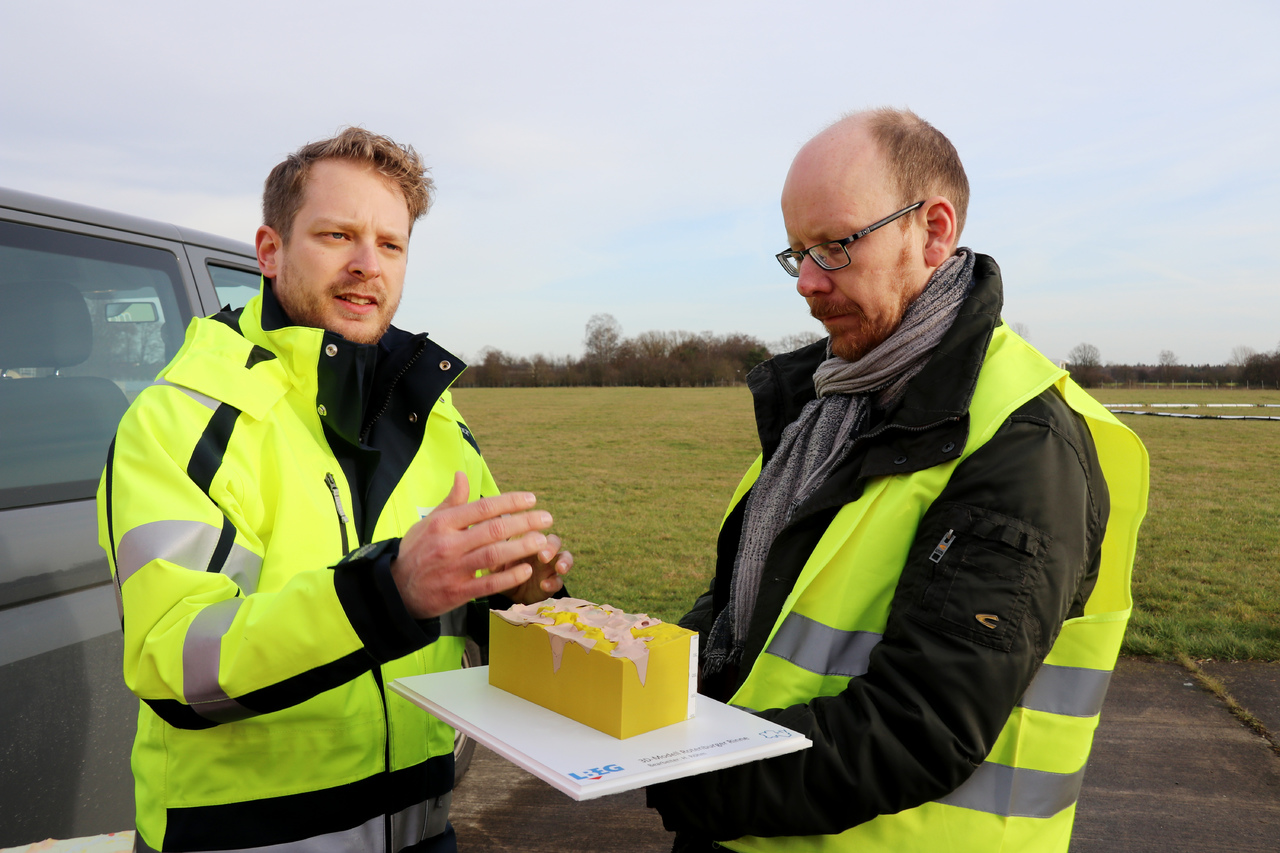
(927, 571)
(295, 515)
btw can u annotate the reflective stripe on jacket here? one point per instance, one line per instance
(1022, 797)
(260, 659)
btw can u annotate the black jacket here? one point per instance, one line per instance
(937, 693)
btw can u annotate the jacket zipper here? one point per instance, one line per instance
(885, 427)
(332, 483)
(342, 513)
(377, 669)
(364, 434)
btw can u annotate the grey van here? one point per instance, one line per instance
(92, 305)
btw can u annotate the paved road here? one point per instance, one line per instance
(1171, 770)
(498, 806)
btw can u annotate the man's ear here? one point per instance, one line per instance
(269, 244)
(940, 236)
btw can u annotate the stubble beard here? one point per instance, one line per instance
(307, 307)
(852, 344)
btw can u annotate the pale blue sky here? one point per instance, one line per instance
(627, 158)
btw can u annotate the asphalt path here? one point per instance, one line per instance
(1171, 770)
(498, 806)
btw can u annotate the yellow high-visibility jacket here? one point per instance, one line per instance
(941, 618)
(261, 656)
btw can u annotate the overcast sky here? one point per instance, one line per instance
(602, 157)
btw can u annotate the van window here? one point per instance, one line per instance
(235, 286)
(85, 324)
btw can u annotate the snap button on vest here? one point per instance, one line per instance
(445, 365)
(900, 460)
(948, 447)
(413, 417)
(321, 410)
(331, 350)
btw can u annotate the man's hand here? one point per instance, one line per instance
(441, 554)
(549, 566)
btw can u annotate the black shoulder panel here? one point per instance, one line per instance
(229, 318)
(258, 355)
(206, 459)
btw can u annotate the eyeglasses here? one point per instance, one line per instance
(833, 256)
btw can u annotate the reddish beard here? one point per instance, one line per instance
(858, 334)
(307, 307)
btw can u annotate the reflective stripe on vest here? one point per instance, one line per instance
(1022, 797)
(189, 544)
(201, 660)
(1069, 690)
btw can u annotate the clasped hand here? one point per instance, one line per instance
(471, 550)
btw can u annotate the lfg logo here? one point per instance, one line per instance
(596, 772)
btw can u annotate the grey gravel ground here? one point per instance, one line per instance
(1171, 770)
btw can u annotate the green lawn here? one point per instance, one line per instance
(1186, 396)
(638, 479)
(1207, 576)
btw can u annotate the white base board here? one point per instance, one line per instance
(581, 761)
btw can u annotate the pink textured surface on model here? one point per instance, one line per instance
(572, 620)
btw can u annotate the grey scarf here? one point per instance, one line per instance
(820, 438)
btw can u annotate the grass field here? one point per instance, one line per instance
(1207, 576)
(638, 479)
(1126, 396)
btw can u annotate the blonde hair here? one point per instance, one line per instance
(284, 188)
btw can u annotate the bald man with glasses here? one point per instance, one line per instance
(927, 570)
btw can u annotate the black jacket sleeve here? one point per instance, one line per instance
(1027, 511)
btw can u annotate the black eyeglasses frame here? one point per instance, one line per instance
(791, 259)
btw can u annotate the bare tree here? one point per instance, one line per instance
(1085, 363)
(491, 371)
(1021, 329)
(788, 343)
(1084, 355)
(1240, 355)
(541, 370)
(603, 341)
(604, 334)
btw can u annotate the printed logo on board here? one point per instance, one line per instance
(596, 773)
(775, 733)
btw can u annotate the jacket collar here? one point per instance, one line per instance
(937, 398)
(347, 379)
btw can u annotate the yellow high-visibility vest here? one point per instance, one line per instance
(1023, 796)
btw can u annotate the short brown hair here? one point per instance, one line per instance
(399, 164)
(921, 160)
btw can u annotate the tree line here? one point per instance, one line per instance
(1247, 367)
(651, 359)
(688, 359)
